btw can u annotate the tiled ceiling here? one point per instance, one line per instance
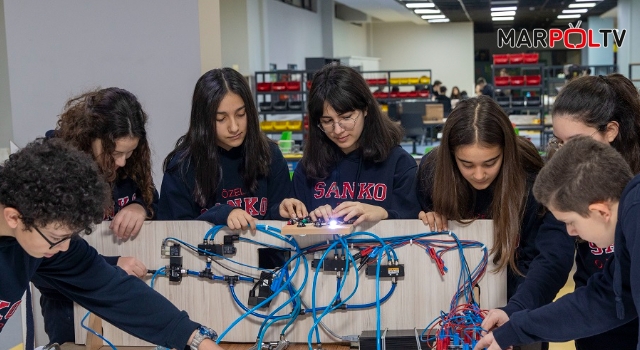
(530, 13)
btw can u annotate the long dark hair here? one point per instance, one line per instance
(345, 90)
(480, 120)
(598, 100)
(198, 146)
(108, 115)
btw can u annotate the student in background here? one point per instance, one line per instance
(446, 101)
(224, 170)
(455, 93)
(109, 125)
(586, 186)
(607, 109)
(353, 166)
(49, 193)
(436, 88)
(482, 170)
(484, 88)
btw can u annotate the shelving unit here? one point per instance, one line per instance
(385, 81)
(281, 99)
(522, 93)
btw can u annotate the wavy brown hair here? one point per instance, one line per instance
(108, 115)
(480, 120)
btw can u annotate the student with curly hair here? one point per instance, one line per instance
(353, 166)
(482, 170)
(224, 170)
(108, 124)
(50, 192)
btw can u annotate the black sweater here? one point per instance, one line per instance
(610, 298)
(389, 184)
(84, 277)
(178, 184)
(541, 237)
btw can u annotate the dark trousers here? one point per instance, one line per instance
(58, 319)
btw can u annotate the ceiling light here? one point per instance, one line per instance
(502, 18)
(503, 13)
(569, 16)
(586, 4)
(433, 16)
(416, 5)
(575, 11)
(586, 0)
(441, 20)
(509, 2)
(509, 8)
(425, 11)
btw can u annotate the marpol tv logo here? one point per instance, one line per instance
(572, 38)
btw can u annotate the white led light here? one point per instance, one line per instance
(509, 8)
(416, 5)
(425, 11)
(502, 18)
(575, 11)
(568, 16)
(586, 4)
(333, 223)
(441, 20)
(503, 13)
(433, 16)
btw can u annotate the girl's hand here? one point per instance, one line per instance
(128, 222)
(435, 221)
(323, 211)
(292, 208)
(239, 219)
(364, 212)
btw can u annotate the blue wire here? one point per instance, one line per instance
(155, 274)
(94, 332)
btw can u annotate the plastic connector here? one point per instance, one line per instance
(231, 280)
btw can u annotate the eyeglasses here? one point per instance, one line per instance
(52, 244)
(345, 123)
(556, 144)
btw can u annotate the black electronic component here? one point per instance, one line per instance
(208, 249)
(406, 339)
(330, 264)
(175, 269)
(386, 270)
(264, 290)
(174, 250)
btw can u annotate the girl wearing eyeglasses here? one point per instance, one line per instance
(482, 170)
(224, 170)
(353, 167)
(607, 109)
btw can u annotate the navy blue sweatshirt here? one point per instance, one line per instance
(83, 276)
(610, 298)
(178, 203)
(545, 251)
(389, 184)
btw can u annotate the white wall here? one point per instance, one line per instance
(293, 34)
(446, 49)
(349, 39)
(235, 36)
(62, 48)
(628, 12)
(6, 128)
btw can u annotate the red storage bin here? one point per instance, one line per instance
(263, 86)
(412, 94)
(530, 58)
(500, 59)
(279, 86)
(308, 84)
(515, 58)
(293, 86)
(372, 81)
(394, 95)
(517, 80)
(423, 93)
(403, 94)
(382, 81)
(501, 81)
(532, 79)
